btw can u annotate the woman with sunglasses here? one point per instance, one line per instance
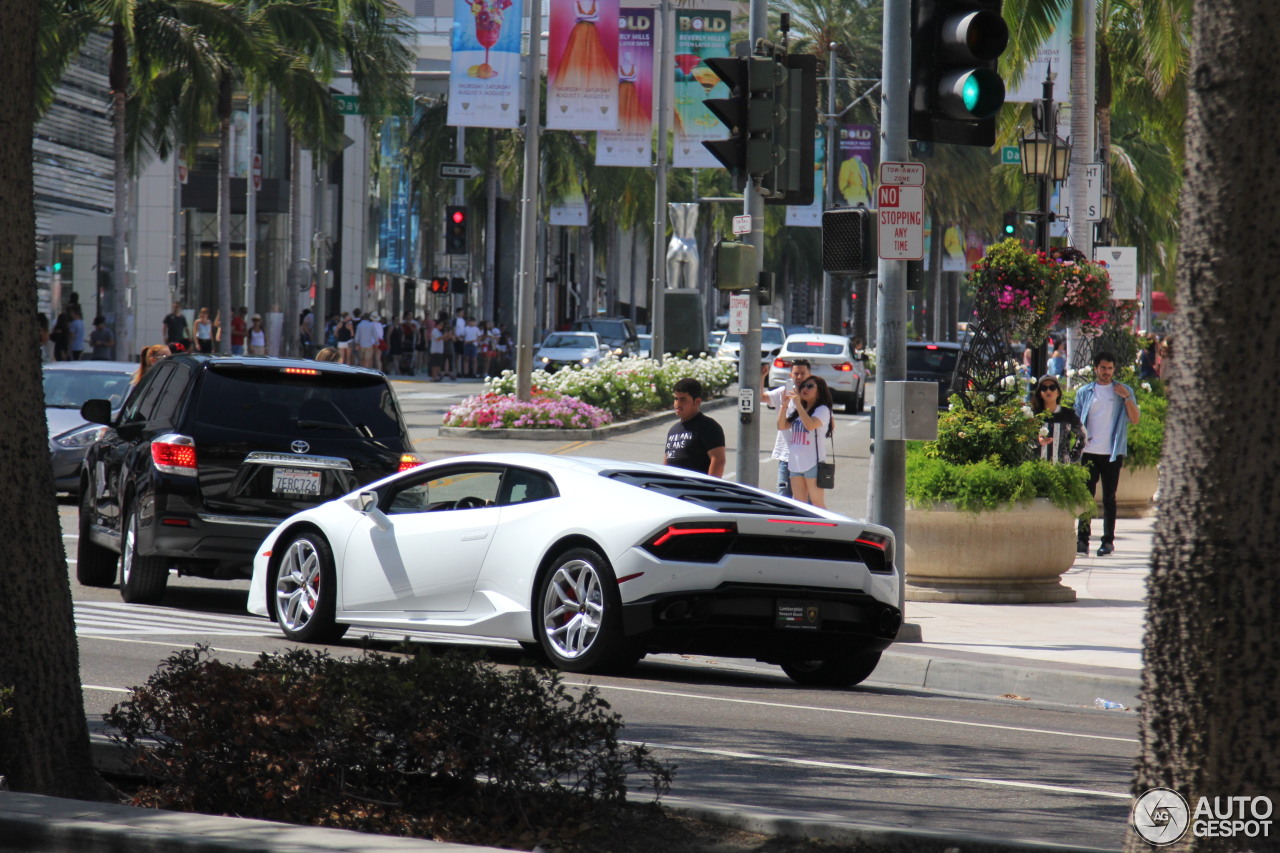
(1055, 436)
(806, 445)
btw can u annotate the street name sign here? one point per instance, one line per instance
(1010, 155)
(900, 218)
(458, 170)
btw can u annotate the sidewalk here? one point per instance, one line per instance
(1071, 653)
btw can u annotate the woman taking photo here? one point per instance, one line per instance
(810, 427)
(1055, 440)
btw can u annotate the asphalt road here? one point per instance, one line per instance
(740, 732)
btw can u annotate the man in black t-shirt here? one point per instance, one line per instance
(175, 327)
(697, 442)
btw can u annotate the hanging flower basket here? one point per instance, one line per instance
(1022, 289)
(1086, 296)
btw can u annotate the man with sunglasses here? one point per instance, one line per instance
(1106, 408)
(800, 371)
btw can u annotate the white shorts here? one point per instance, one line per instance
(344, 344)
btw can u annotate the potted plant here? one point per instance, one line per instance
(986, 521)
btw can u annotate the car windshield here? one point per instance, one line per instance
(931, 360)
(815, 348)
(569, 342)
(69, 389)
(278, 404)
(768, 335)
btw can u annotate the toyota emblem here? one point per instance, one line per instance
(299, 446)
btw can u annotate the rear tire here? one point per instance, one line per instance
(144, 578)
(854, 668)
(578, 615)
(304, 592)
(95, 565)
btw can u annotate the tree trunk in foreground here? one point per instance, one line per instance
(1211, 682)
(44, 741)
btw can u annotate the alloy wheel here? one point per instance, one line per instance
(573, 608)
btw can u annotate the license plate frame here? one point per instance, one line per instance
(283, 479)
(793, 614)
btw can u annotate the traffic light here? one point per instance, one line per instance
(956, 89)
(439, 285)
(458, 285)
(847, 247)
(455, 230)
(792, 181)
(751, 113)
(1010, 223)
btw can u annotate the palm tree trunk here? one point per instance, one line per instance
(1208, 725)
(224, 215)
(117, 298)
(44, 739)
(1081, 141)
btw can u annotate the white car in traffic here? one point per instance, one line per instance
(588, 563)
(832, 358)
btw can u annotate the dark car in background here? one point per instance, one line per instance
(211, 452)
(618, 332)
(933, 362)
(67, 386)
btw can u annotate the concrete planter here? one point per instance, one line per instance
(1013, 555)
(1133, 493)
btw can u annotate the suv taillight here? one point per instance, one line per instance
(174, 454)
(409, 460)
(781, 363)
(844, 368)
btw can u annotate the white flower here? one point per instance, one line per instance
(1044, 432)
(1026, 410)
(1071, 371)
(1146, 386)
(991, 398)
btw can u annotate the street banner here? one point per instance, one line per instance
(484, 72)
(582, 65)
(810, 215)
(632, 143)
(398, 227)
(1053, 56)
(953, 248)
(699, 34)
(570, 209)
(856, 165)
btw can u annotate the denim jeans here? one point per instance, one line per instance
(784, 479)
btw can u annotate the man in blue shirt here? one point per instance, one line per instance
(1106, 409)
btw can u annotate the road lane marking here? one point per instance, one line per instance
(850, 712)
(105, 689)
(884, 771)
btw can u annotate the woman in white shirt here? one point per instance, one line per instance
(204, 331)
(810, 426)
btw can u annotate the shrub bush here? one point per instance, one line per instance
(989, 485)
(404, 745)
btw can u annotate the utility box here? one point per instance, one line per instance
(910, 411)
(736, 266)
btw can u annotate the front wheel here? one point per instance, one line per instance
(846, 671)
(144, 577)
(305, 590)
(95, 565)
(579, 615)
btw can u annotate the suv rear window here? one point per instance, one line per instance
(931, 360)
(269, 401)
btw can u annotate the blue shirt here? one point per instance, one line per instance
(1120, 424)
(76, 337)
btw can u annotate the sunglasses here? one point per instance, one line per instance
(1048, 388)
(808, 386)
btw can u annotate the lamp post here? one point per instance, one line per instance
(1046, 157)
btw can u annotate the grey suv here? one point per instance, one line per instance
(617, 332)
(210, 453)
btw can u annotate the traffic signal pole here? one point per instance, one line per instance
(529, 209)
(748, 467)
(888, 462)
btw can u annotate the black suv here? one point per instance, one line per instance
(210, 453)
(934, 362)
(617, 332)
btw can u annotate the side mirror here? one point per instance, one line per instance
(366, 503)
(96, 411)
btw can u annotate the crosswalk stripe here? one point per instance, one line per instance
(106, 619)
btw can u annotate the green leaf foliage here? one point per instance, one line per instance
(986, 485)
(404, 744)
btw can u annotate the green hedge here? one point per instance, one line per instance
(985, 485)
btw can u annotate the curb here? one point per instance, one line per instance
(597, 434)
(836, 831)
(994, 678)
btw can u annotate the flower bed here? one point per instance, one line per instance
(587, 398)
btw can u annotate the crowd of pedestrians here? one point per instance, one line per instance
(440, 348)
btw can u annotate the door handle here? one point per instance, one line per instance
(472, 535)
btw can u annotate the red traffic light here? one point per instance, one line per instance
(458, 215)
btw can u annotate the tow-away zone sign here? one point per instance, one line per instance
(900, 218)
